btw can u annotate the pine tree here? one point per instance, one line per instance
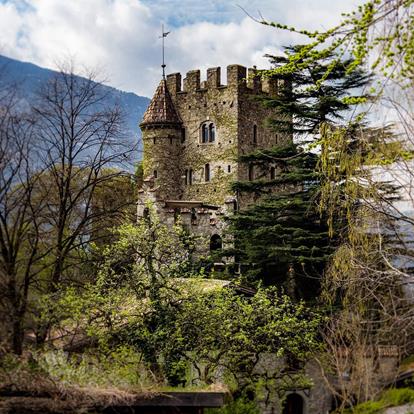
(322, 92)
(282, 239)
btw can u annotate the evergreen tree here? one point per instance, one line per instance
(282, 239)
(316, 93)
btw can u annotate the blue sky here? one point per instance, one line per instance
(120, 37)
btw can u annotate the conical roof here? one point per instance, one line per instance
(161, 109)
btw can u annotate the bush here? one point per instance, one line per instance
(239, 406)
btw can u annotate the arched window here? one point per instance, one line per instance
(254, 134)
(155, 174)
(208, 132)
(293, 404)
(215, 242)
(251, 172)
(211, 133)
(204, 133)
(207, 172)
(272, 173)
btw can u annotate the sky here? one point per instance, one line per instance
(121, 38)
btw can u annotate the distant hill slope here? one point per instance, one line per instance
(29, 77)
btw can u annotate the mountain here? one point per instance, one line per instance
(29, 77)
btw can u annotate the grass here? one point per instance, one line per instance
(390, 398)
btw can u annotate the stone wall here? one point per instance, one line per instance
(162, 149)
(234, 112)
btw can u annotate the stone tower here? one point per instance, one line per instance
(193, 135)
(161, 134)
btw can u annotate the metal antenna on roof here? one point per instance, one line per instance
(163, 36)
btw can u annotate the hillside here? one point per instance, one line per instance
(29, 77)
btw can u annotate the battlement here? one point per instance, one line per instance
(238, 78)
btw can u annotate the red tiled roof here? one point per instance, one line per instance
(161, 109)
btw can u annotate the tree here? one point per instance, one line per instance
(370, 274)
(282, 239)
(148, 297)
(320, 91)
(19, 219)
(57, 159)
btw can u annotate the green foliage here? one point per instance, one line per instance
(238, 406)
(319, 91)
(379, 32)
(282, 238)
(188, 332)
(390, 398)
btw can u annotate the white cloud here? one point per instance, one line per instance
(121, 36)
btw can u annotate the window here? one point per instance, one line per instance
(251, 172)
(229, 168)
(208, 132)
(182, 134)
(272, 173)
(254, 134)
(186, 177)
(170, 140)
(193, 216)
(211, 133)
(155, 174)
(154, 140)
(190, 177)
(207, 172)
(204, 134)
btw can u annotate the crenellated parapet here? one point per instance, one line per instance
(239, 78)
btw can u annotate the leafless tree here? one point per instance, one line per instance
(56, 163)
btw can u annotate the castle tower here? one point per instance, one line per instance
(194, 133)
(161, 134)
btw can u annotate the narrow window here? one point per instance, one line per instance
(254, 134)
(251, 172)
(193, 216)
(229, 168)
(211, 132)
(155, 174)
(190, 177)
(182, 134)
(154, 140)
(207, 172)
(171, 140)
(204, 134)
(272, 173)
(186, 177)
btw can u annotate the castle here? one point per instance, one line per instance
(193, 135)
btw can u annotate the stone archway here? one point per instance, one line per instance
(293, 404)
(216, 242)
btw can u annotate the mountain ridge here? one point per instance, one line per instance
(30, 76)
